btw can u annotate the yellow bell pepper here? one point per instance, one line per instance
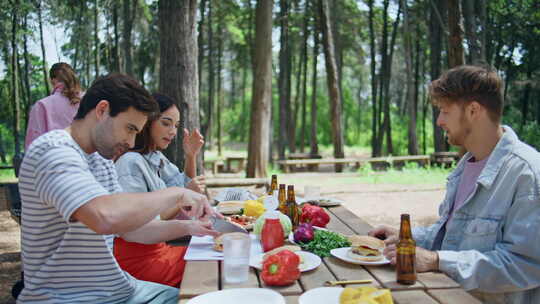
(253, 208)
(365, 295)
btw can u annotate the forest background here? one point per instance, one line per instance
(282, 76)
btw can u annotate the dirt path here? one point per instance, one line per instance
(374, 203)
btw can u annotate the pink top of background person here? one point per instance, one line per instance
(57, 110)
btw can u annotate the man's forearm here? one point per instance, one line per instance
(123, 212)
(158, 231)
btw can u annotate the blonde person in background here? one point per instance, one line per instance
(57, 110)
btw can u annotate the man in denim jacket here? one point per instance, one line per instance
(487, 237)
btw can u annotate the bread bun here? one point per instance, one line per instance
(367, 241)
(365, 248)
(230, 207)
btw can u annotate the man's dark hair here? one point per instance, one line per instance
(122, 92)
(467, 83)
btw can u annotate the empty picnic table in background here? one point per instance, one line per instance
(201, 277)
(376, 162)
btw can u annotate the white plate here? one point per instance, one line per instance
(311, 261)
(324, 201)
(321, 295)
(291, 235)
(240, 295)
(341, 253)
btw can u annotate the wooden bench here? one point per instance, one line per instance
(236, 182)
(215, 165)
(241, 160)
(397, 161)
(288, 164)
(444, 159)
(309, 167)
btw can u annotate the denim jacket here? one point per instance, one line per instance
(148, 172)
(492, 244)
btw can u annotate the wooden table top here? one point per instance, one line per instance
(206, 276)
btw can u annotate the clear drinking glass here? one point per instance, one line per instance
(236, 249)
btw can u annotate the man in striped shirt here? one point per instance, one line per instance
(72, 208)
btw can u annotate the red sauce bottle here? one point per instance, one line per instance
(272, 233)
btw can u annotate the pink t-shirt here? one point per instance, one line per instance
(50, 113)
(467, 182)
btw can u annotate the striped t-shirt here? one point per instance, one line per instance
(65, 261)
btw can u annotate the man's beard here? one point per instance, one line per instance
(458, 139)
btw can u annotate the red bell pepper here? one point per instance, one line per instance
(314, 215)
(281, 269)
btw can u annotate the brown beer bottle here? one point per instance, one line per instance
(405, 253)
(282, 199)
(273, 185)
(293, 211)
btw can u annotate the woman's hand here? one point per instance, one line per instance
(197, 184)
(192, 143)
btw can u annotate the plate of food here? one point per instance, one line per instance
(320, 241)
(308, 260)
(230, 207)
(243, 220)
(364, 250)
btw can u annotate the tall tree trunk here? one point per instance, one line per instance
(333, 83)
(412, 146)
(244, 115)
(525, 99)
(43, 55)
(200, 39)
(26, 76)
(304, 76)
(375, 149)
(14, 78)
(387, 123)
(474, 21)
(382, 74)
(129, 15)
(284, 80)
(96, 39)
(455, 39)
(207, 127)
(314, 146)
(178, 53)
(219, 85)
(262, 91)
(118, 65)
(435, 45)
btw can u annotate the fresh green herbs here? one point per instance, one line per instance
(324, 241)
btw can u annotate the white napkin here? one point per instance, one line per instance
(201, 249)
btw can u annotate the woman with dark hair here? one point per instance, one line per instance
(146, 169)
(57, 110)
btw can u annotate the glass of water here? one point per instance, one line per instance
(236, 249)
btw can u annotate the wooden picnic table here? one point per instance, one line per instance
(431, 288)
(241, 160)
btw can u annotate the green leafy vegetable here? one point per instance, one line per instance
(324, 241)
